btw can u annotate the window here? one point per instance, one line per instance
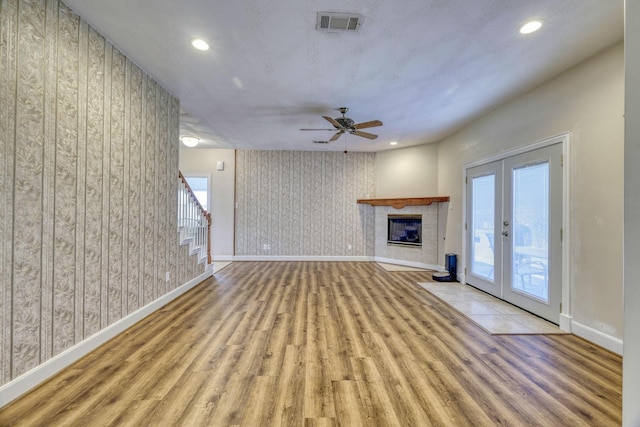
(200, 186)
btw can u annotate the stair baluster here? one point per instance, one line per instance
(194, 222)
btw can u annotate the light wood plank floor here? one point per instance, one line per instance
(320, 344)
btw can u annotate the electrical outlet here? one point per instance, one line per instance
(266, 246)
(349, 247)
(167, 276)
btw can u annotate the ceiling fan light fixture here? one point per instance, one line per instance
(200, 44)
(190, 141)
(531, 27)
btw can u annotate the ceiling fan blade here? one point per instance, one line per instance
(319, 129)
(336, 136)
(371, 124)
(364, 134)
(332, 121)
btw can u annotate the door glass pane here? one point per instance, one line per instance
(482, 220)
(530, 242)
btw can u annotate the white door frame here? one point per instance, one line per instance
(564, 139)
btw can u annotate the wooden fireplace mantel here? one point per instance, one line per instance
(402, 202)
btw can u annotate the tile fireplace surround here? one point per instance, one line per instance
(425, 256)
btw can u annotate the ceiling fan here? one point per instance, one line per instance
(345, 124)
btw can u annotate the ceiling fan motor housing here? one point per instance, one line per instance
(346, 125)
(345, 122)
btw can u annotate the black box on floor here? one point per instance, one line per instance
(451, 265)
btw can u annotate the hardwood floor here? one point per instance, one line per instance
(320, 344)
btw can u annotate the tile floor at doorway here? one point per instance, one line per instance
(491, 314)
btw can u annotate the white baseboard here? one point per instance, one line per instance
(600, 338)
(336, 258)
(300, 258)
(221, 258)
(565, 322)
(409, 263)
(27, 381)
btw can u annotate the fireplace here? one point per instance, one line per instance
(404, 230)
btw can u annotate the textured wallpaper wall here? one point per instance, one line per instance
(88, 167)
(304, 203)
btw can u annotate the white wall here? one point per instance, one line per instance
(413, 172)
(587, 101)
(407, 172)
(203, 161)
(631, 367)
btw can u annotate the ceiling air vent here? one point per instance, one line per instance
(332, 21)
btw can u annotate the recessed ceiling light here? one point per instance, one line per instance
(530, 27)
(190, 141)
(393, 143)
(200, 44)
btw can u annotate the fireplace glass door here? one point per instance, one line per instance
(404, 230)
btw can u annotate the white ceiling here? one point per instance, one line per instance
(423, 67)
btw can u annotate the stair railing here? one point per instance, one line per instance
(194, 222)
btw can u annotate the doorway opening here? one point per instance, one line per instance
(514, 222)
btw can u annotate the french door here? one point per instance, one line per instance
(514, 230)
